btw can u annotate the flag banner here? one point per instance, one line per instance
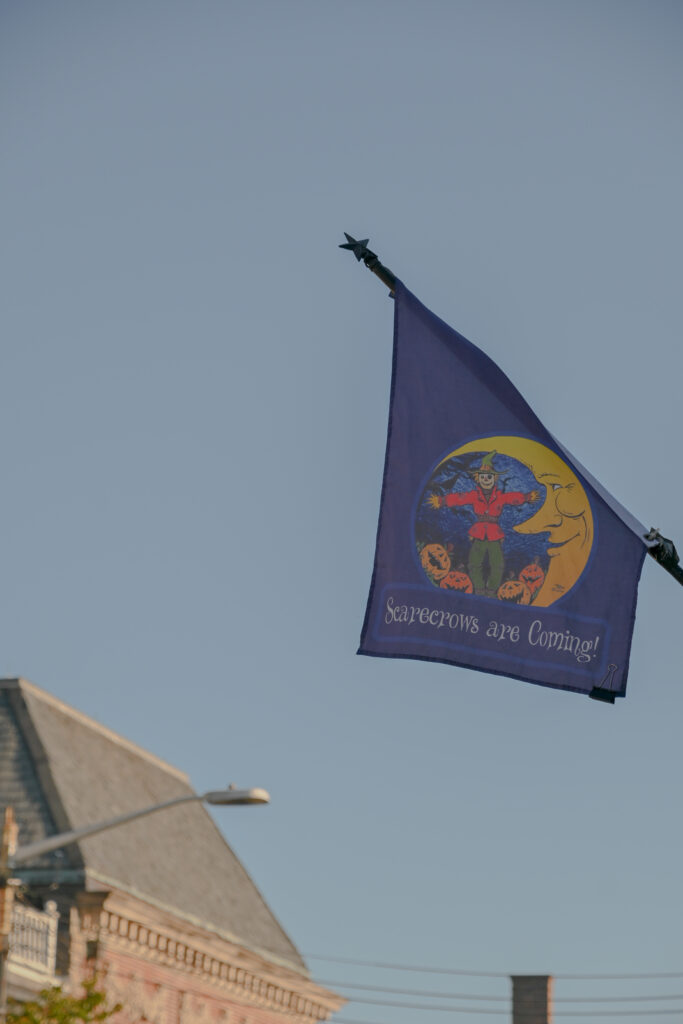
(496, 550)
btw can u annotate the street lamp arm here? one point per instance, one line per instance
(230, 796)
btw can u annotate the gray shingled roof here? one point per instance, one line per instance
(61, 770)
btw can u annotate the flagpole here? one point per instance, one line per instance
(660, 548)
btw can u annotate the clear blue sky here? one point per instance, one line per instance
(194, 397)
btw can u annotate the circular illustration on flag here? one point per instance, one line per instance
(504, 518)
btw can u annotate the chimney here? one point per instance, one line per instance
(532, 999)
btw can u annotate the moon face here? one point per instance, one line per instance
(554, 530)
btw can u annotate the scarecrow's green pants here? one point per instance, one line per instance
(480, 552)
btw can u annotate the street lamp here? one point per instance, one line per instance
(11, 855)
(220, 797)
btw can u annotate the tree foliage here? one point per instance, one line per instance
(53, 1007)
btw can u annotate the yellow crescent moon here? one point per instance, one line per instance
(565, 514)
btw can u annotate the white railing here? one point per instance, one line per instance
(33, 940)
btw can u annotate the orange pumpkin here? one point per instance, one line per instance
(457, 580)
(436, 561)
(515, 592)
(533, 576)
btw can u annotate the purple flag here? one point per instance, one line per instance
(495, 550)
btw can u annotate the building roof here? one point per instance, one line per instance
(61, 770)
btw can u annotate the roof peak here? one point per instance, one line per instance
(19, 683)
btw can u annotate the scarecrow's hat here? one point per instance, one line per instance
(487, 465)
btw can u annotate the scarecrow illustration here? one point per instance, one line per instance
(486, 560)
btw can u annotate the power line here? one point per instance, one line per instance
(407, 967)
(498, 999)
(412, 991)
(617, 977)
(506, 1013)
(465, 1009)
(425, 1006)
(615, 999)
(406, 1006)
(487, 974)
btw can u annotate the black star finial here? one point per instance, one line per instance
(359, 248)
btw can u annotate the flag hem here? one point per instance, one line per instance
(390, 422)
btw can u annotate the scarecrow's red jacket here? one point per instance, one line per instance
(486, 509)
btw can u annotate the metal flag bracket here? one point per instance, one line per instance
(664, 551)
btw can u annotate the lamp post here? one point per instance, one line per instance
(11, 855)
